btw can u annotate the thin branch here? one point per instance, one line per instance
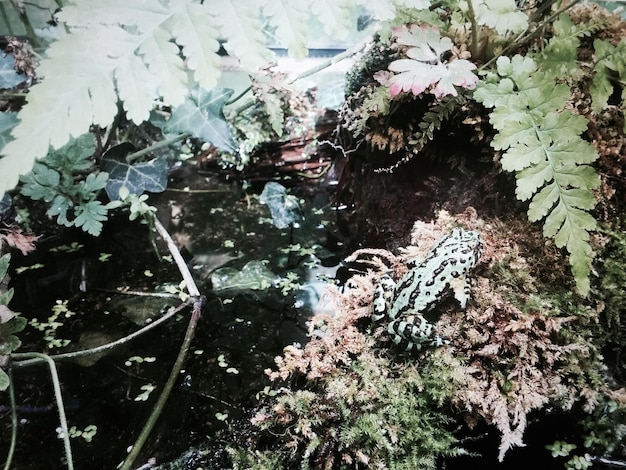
(104, 347)
(59, 399)
(169, 385)
(164, 143)
(472, 17)
(313, 70)
(9, 460)
(198, 305)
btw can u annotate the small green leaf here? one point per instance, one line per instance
(4, 381)
(89, 217)
(4, 265)
(41, 183)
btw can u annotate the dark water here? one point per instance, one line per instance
(239, 334)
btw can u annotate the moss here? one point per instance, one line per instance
(374, 413)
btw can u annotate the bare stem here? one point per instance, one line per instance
(59, 399)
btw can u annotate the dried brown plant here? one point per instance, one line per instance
(509, 344)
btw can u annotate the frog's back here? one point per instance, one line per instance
(427, 284)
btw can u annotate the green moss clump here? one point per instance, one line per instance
(375, 414)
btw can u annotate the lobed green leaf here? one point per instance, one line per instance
(542, 143)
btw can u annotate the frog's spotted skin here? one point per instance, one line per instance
(442, 272)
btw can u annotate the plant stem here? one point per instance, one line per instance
(30, 32)
(164, 143)
(5, 18)
(167, 389)
(9, 460)
(104, 347)
(198, 305)
(59, 399)
(472, 18)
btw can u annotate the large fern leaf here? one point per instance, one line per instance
(113, 49)
(541, 141)
(137, 52)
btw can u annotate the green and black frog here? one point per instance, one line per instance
(443, 272)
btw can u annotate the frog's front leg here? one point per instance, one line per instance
(383, 295)
(461, 289)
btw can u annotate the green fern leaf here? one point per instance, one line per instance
(192, 26)
(290, 21)
(559, 58)
(610, 62)
(83, 70)
(242, 28)
(162, 58)
(542, 144)
(334, 15)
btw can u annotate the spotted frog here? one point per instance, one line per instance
(427, 283)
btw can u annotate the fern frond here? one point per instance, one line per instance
(334, 15)
(610, 61)
(560, 55)
(138, 52)
(436, 115)
(241, 26)
(542, 144)
(290, 21)
(85, 72)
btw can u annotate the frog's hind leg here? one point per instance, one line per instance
(414, 332)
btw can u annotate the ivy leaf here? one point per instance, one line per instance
(146, 176)
(284, 208)
(202, 115)
(424, 68)
(9, 78)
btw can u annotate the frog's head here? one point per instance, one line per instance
(471, 242)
